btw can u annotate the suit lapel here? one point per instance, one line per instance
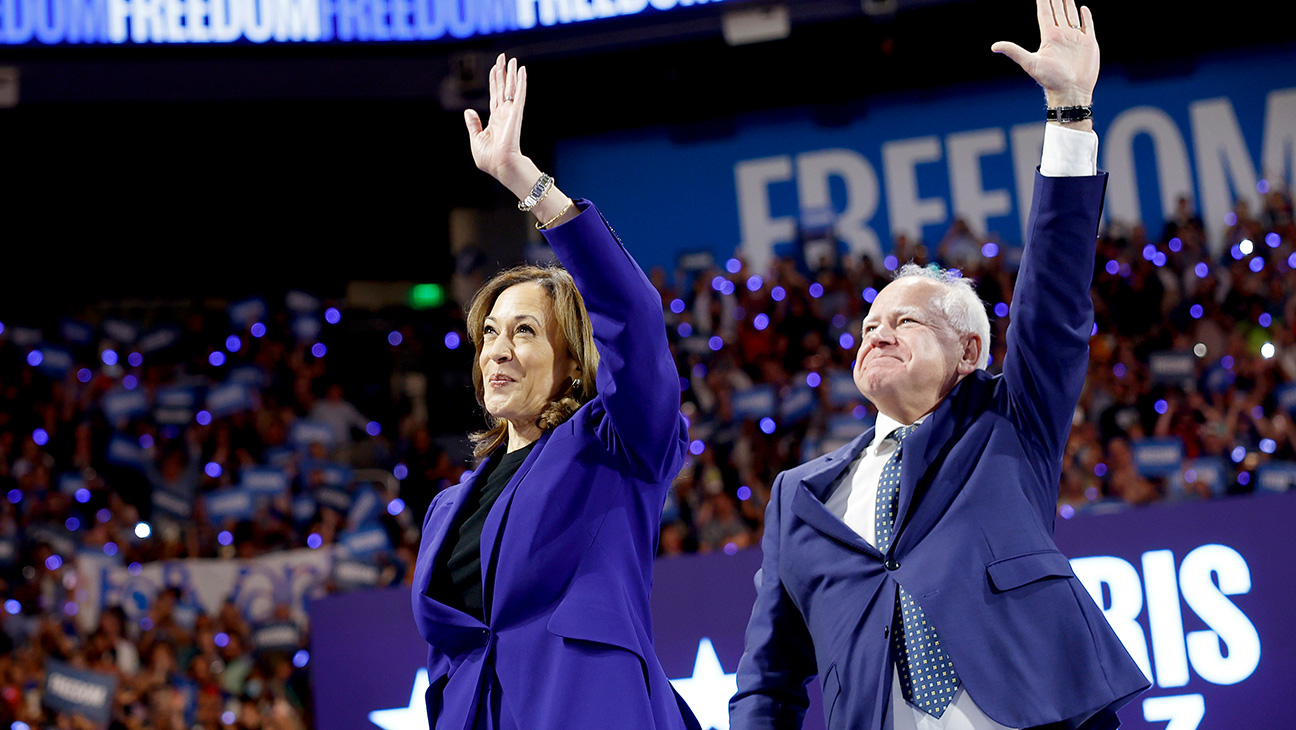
(442, 517)
(927, 446)
(493, 529)
(816, 486)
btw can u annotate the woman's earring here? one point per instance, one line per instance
(576, 384)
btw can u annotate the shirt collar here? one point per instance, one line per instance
(884, 426)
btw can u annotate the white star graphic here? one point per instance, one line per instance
(708, 691)
(413, 717)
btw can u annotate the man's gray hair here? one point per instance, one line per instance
(962, 308)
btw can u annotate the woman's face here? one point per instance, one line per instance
(523, 360)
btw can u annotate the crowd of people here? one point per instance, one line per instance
(128, 436)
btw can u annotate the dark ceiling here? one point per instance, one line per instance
(165, 167)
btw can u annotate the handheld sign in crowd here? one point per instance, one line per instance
(79, 692)
(1158, 457)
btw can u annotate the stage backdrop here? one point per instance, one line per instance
(1201, 594)
(910, 163)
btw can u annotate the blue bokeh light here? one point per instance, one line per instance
(394, 338)
(15, 495)
(890, 263)
(258, 330)
(396, 506)
(1175, 244)
(990, 250)
(233, 343)
(400, 471)
(1238, 454)
(35, 358)
(1201, 270)
(677, 306)
(755, 282)
(40, 437)
(696, 447)
(761, 321)
(733, 266)
(84, 375)
(813, 380)
(130, 382)
(301, 658)
(1161, 406)
(221, 639)
(109, 357)
(870, 294)
(1196, 311)
(203, 418)
(1266, 319)
(715, 343)
(373, 428)
(53, 562)
(744, 493)
(314, 541)
(225, 538)
(846, 340)
(767, 425)
(452, 341)
(217, 358)
(82, 495)
(12, 607)
(778, 293)
(684, 329)
(213, 470)
(319, 350)
(134, 359)
(72, 524)
(332, 315)
(1112, 267)
(816, 290)
(110, 549)
(1256, 265)
(1273, 240)
(1001, 309)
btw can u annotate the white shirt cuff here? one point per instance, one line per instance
(1069, 152)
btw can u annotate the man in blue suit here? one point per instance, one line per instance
(914, 569)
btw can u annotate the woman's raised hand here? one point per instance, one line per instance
(496, 148)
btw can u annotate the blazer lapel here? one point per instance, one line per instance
(492, 531)
(442, 517)
(815, 487)
(926, 446)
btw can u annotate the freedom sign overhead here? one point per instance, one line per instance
(58, 22)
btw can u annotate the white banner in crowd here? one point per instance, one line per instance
(256, 586)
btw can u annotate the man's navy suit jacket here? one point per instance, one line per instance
(973, 539)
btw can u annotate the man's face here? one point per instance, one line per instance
(909, 356)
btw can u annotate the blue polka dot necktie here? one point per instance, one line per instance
(927, 676)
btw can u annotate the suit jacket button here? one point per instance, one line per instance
(892, 564)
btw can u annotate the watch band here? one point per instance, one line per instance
(538, 192)
(1067, 114)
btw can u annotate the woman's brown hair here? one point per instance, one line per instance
(577, 336)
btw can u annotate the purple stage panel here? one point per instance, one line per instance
(1200, 592)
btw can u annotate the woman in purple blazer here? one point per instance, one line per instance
(533, 575)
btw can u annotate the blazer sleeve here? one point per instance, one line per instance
(637, 380)
(1052, 314)
(778, 660)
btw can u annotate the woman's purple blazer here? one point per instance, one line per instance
(567, 549)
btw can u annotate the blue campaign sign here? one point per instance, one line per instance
(125, 451)
(1208, 470)
(797, 404)
(842, 390)
(918, 160)
(231, 503)
(249, 375)
(757, 401)
(1286, 397)
(333, 497)
(1158, 457)
(76, 332)
(364, 508)
(1177, 368)
(55, 362)
(120, 405)
(230, 398)
(159, 339)
(1200, 593)
(365, 542)
(121, 330)
(169, 504)
(305, 432)
(266, 481)
(247, 312)
(79, 691)
(1276, 476)
(303, 508)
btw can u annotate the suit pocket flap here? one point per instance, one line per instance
(1021, 570)
(589, 618)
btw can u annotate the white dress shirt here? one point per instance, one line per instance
(1067, 153)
